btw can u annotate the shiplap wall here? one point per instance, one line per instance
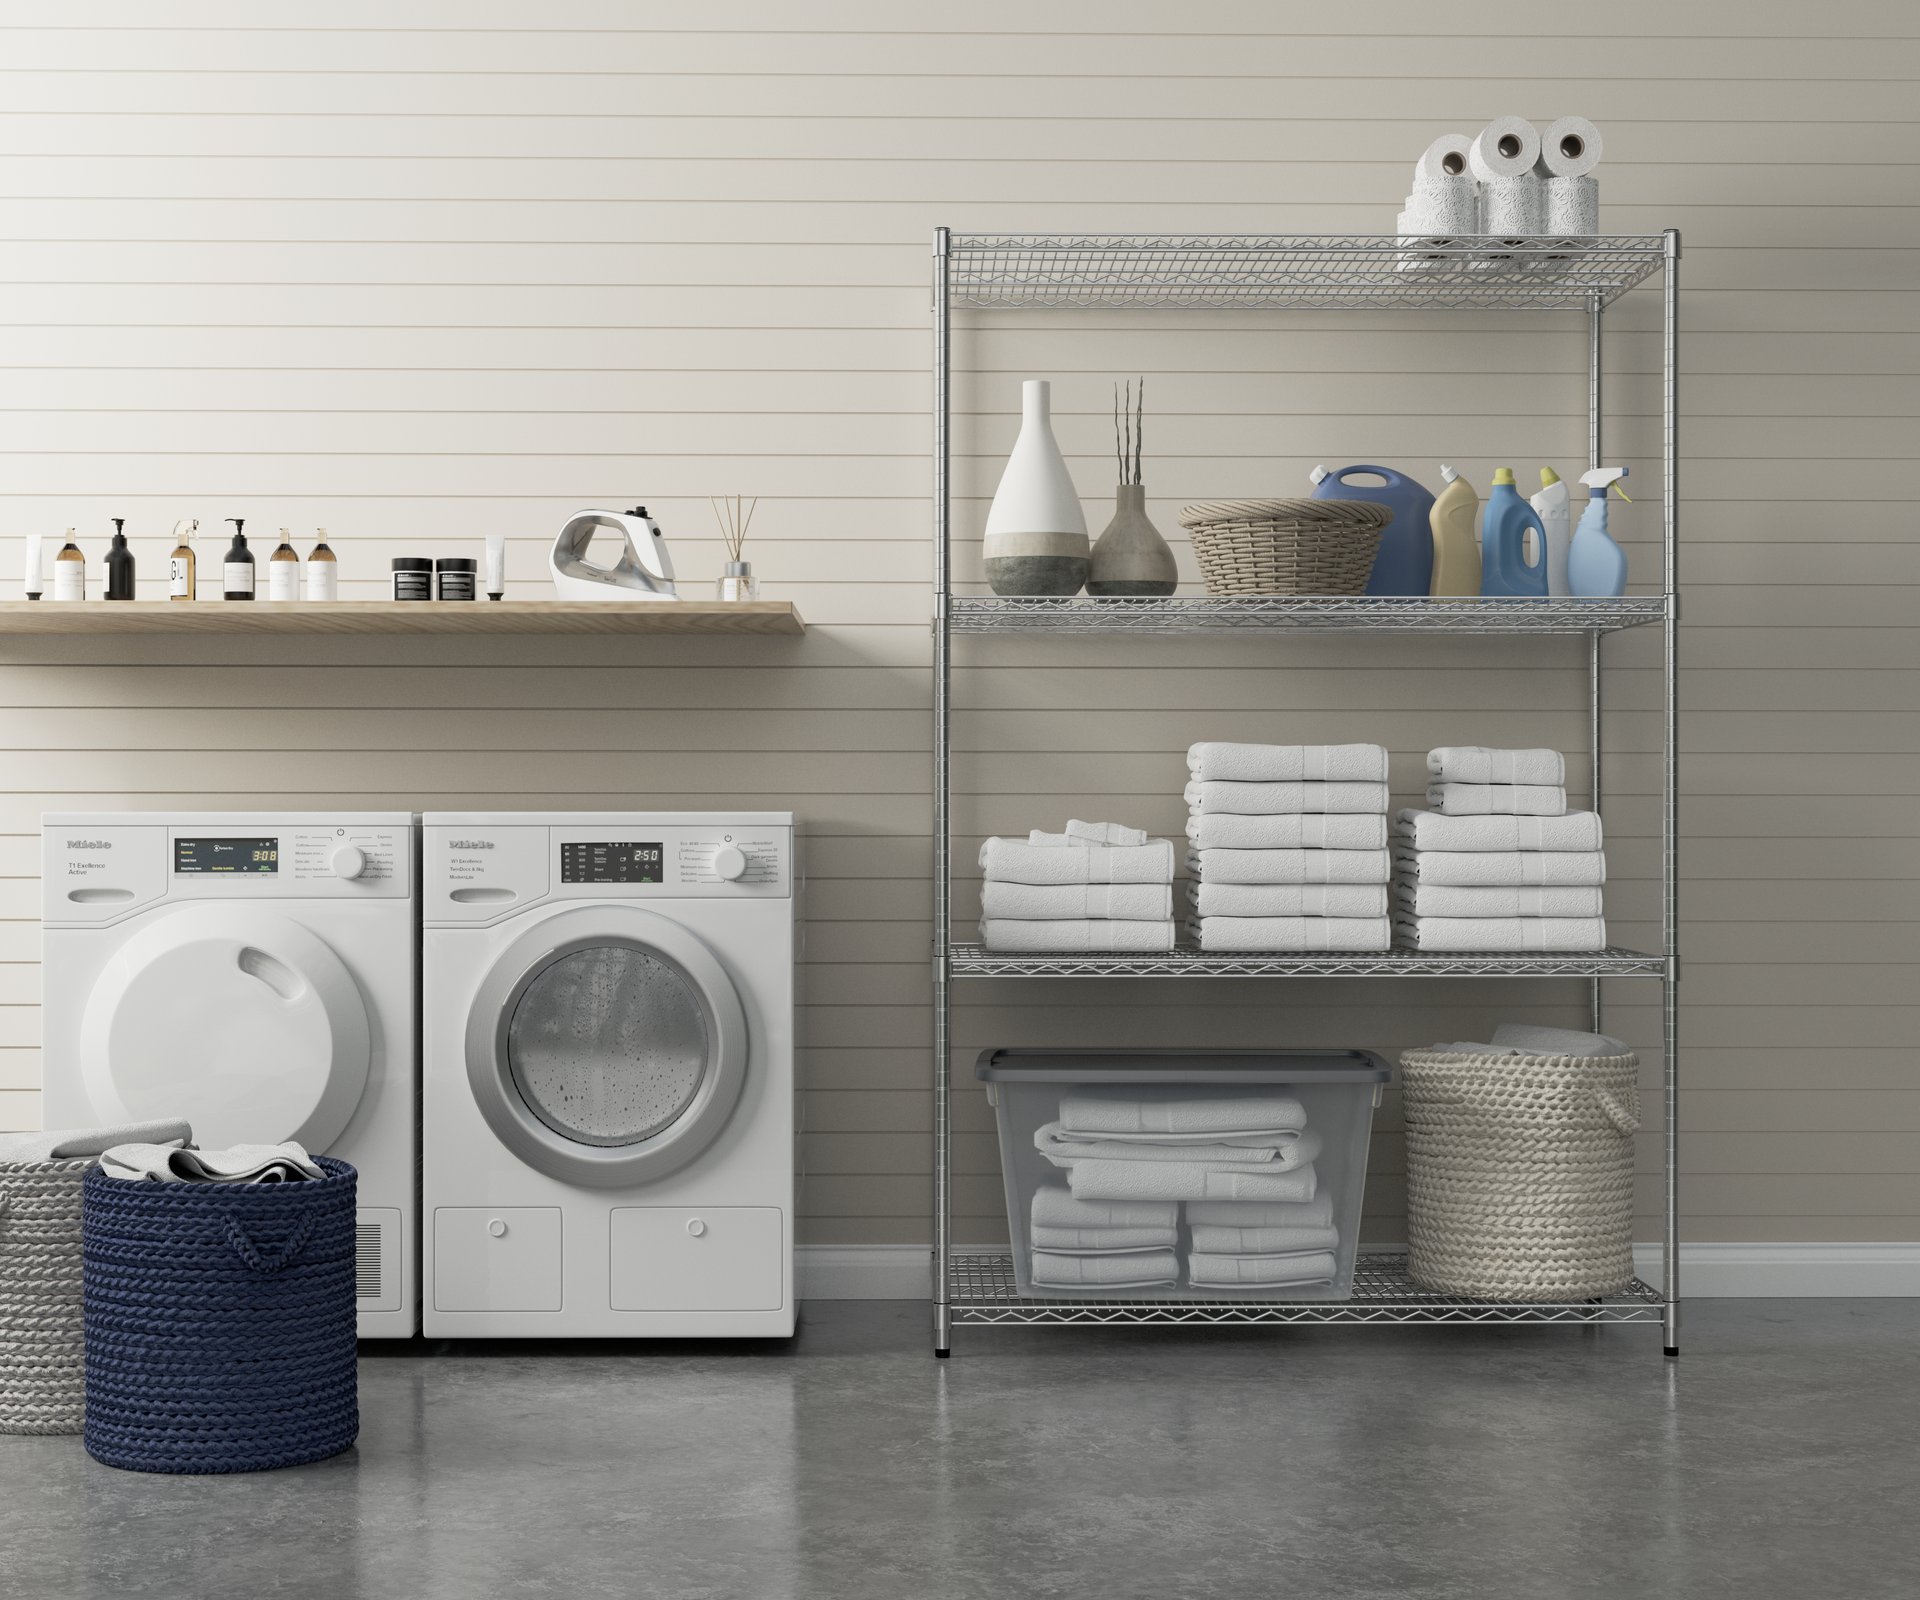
(420, 272)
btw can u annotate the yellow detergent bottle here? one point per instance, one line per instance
(1456, 549)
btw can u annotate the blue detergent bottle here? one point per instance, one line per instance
(1504, 568)
(1404, 562)
(1596, 566)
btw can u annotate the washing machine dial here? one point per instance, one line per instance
(728, 863)
(348, 861)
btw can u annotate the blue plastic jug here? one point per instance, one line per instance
(1404, 563)
(1504, 569)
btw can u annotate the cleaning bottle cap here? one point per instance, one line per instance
(1317, 474)
(1547, 476)
(186, 528)
(1598, 480)
(1502, 475)
(1447, 474)
(119, 523)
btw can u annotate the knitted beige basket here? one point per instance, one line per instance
(1520, 1173)
(43, 1367)
(1285, 546)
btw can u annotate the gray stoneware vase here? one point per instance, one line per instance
(1131, 558)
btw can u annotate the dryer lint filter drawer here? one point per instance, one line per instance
(496, 1258)
(692, 1258)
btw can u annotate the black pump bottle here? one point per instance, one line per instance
(237, 572)
(119, 564)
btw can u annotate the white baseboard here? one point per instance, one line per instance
(1707, 1271)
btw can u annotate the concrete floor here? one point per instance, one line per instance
(1776, 1458)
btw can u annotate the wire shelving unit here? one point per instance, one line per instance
(1357, 272)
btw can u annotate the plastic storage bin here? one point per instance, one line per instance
(1338, 1088)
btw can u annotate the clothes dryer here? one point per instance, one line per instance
(254, 973)
(607, 1048)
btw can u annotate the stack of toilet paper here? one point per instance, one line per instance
(1097, 886)
(1497, 862)
(1287, 847)
(1510, 182)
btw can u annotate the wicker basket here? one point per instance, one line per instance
(1520, 1173)
(43, 1372)
(1285, 546)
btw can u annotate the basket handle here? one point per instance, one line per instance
(248, 1252)
(1618, 1114)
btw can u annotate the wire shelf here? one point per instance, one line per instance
(984, 1294)
(1241, 271)
(975, 961)
(1302, 614)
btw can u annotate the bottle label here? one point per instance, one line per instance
(69, 580)
(179, 578)
(239, 577)
(283, 580)
(322, 580)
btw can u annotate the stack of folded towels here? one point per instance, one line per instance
(1243, 1167)
(1498, 862)
(1288, 847)
(1098, 886)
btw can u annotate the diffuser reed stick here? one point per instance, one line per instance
(735, 516)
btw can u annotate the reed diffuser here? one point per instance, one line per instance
(1131, 558)
(738, 581)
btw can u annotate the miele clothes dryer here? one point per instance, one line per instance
(607, 1047)
(253, 973)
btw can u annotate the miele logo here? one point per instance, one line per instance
(469, 844)
(89, 844)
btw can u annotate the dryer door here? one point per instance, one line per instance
(607, 1046)
(235, 1017)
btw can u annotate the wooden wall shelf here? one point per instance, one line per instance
(390, 616)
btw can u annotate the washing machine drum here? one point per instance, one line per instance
(607, 1046)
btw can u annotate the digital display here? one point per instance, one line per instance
(226, 855)
(611, 863)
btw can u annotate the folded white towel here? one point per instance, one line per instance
(1056, 1208)
(1288, 763)
(1288, 899)
(1285, 1152)
(1290, 866)
(242, 1163)
(1104, 1241)
(1073, 936)
(1087, 835)
(1497, 799)
(1289, 933)
(1101, 902)
(1217, 1241)
(70, 1144)
(1276, 799)
(1446, 900)
(1134, 1271)
(1155, 1119)
(1314, 1213)
(1527, 1039)
(1173, 1180)
(1429, 830)
(1312, 1269)
(1015, 861)
(1343, 830)
(1502, 869)
(1472, 763)
(1515, 934)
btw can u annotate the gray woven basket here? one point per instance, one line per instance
(1520, 1173)
(1285, 546)
(43, 1369)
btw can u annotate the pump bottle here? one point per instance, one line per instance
(283, 571)
(236, 582)
(1551, 505)
(1456, 553)
(69, 572)
(119, 564)
(180, 563)
(1596, 566)
(323, 571)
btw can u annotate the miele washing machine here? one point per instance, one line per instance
(607, 1049)
(253, 972)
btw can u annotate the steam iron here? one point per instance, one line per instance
(643, 572)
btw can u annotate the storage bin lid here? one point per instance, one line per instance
(1182, 1066)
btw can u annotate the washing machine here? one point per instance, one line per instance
(255, 973)
(607, 1053)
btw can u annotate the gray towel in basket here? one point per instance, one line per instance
(67, 1144)
(1524, 1039)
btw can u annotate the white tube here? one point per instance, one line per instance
(34, 547)
(496, 566)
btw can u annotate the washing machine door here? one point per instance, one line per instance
(239, 1019)
(607, 1046)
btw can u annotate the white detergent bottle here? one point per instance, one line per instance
(1596, 566)
(1550, 505)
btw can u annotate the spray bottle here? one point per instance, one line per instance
(1596, 566)
(1504, 569)
(1551, 504)
(1456, 553)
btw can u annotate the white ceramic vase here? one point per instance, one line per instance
(1036, 539)
(1131, 558)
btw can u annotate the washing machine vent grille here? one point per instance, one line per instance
(609, 1045)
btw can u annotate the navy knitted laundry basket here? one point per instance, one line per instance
(219, 1322)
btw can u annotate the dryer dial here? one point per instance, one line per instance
(728, 863)
(349, 861)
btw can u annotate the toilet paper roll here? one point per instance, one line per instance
(1573, 208)
(1570, 148)
(1504, 148)
(1513, 208)
(1445, 158)
(1448, 206)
